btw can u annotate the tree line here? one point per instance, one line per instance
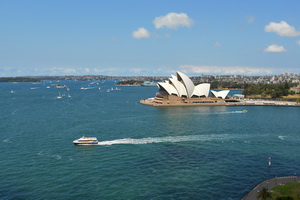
(264, 90)
(268, 90)
(18, 79)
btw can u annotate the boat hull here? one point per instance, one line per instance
(86, 141)
(76, 142)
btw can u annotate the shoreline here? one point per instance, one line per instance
(150, 102)
(269, 184)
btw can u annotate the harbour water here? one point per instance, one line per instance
(145, 152)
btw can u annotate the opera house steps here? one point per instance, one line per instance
(172, 100)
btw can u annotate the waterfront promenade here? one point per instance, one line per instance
(151, 102)
(269, 184)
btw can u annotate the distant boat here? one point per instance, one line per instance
(12, 92)
(108, 90)
(149, 84)
(48, 87)
(86, 141)
(61, 86)
(59, 96)
(86, 88)
(245, 111)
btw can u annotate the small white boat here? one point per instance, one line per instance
(86, 88)
(86, 141)
(59, 96)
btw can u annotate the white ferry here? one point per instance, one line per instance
(149, 83)
(86, 141)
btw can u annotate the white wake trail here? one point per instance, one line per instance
(166, 139)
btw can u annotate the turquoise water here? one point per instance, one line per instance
(145, 152)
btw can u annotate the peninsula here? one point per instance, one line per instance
(179, 90)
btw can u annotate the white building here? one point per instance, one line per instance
(182, 86)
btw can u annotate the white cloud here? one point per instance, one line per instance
(105, 70)
(140, 33)
(250, 19)
(173, 20)
(282, 28)
(298, 42)
(136, 70)
(274, 48)
(61, 70)
(217, 44)
(225, 70)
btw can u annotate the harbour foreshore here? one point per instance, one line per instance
(269, 184)
(150, 102)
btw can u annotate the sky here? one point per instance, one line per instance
(149, 37)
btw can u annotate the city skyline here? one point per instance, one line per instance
(149, 38)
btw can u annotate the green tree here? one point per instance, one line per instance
(264, 194)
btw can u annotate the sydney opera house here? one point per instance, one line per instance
(179, 90)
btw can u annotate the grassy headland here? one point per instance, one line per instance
(288, 189)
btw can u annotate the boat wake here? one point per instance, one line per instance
(281, 137)
(169, 139)
(239, 111)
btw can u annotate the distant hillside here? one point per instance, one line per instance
(18, 79)
(130, 82)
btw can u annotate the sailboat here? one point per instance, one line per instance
(59, 96)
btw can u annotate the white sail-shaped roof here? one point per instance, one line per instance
(173, 89)
(169, 88)
(178, 86)
(223, 93)
(188, 83)
(202, 90)
(182, 85)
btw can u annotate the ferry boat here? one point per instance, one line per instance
(149, 84)
(86, 141)
(61, 86)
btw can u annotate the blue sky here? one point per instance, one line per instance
(143, 37)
